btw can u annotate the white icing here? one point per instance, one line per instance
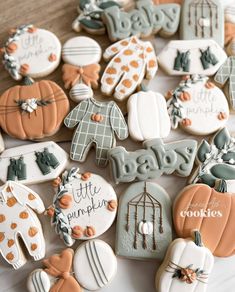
(230, 13)
(33, 173)
(38, 281)
(35, 49)
(80, 91)
(95, 192)
(147, 116)
(81, 51)
(95, 264)
(167, 56)
(184, 252)
(204, 22)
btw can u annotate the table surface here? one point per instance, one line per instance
(132, 276)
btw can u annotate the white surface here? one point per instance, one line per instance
(132, 276)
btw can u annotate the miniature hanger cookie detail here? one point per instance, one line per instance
(186, 267)
(84, 206)
(32, 52)
(17, 219)
(198, 106)
(144, 228)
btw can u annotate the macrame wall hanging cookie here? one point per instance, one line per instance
(215, 160)
(210, 211)
(202, 19)
(187, 266)
(93, 266)
(81, 71)
(33, 163)
(144, 228)
(197, 106)
(37, 108)
(84, 206)
(19, 221)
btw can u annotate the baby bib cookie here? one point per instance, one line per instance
(186, 267)
(18, 220)
(81, 71)
(33, 163)
(98, 124)
(131, 61)
(147, 116)
(95, 264)
(144, 20)
(144, 228)
(154, 160)
(202, 20)
(215, 160)
(31, 52)
(57, 274)
(198, 106)
(84, 206)
(226, 78)
(192, 57)
(38, 110)
(211, 212)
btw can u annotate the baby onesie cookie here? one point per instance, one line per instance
(192, 57)
(202, 19)
(33, 163)
(144, 20)
(154, 160)
(131, 61)
(215, 160)
(210, 211)
(18, 220)
(226, 78)
(37, 108)
(147, 116)
(84, 206)
(198, 106)
(31, 51)
(98, 123)
(81, 71)
(186, 267)
(144, 228)
(95, 264)
(89, 15)
(56, 276)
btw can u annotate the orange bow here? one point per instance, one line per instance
(229, 32)
(59, 266)
(89, 75)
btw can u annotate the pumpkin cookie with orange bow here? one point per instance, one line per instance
(94, 265)
(84, 206)
(197, 106)
(36, 109)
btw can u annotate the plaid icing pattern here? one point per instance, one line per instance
(90, 133)
(227, 73)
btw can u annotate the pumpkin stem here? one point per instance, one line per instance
(143, 87)
(197, 238)
(221, 186)
(28, 80)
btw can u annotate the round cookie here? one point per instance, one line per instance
(209, 211)
(84, 206)
(38, 281)
(81, 51)
(31, 52)
(198, 106)
(95, 264)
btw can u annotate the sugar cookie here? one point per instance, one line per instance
(191, 57)
(186, 267)
(198, 106)
(18, 220)
(84, 206)
(202, 19)
(209, 211)
(131, 60)
(144, 228)
(153, 161)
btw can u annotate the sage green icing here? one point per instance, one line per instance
(182, 61)
(16, 169)
(157, 242)
(223, 171)
(45, 160)
(198, 238)
(221, 186)
(90, 23)
(203, 149)
(208, 58)
(208, 179)
(222, 138)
